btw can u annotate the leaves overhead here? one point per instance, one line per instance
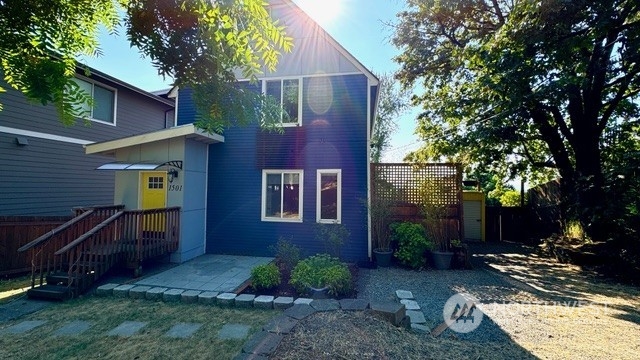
(523, 85)
(198, 43)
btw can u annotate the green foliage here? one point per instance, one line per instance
(198, 43)
(524, 86)
(510, 198)
(412, 243)
(264, 277)
(392, 103)
(333, 236)
(319, 271)
(40, 41)
(288, 254)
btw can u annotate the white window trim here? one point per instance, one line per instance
(263, 204)
(319, 194)
(115, 99)
(300, 86)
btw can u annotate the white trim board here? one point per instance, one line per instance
(41, 135)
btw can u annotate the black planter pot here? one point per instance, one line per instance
(383, 257)
(442, 260)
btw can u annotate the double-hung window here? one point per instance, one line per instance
(104, 101)
(329, 196)
(282, 195)
(286, 92)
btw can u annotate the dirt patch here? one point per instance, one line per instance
(361, 335)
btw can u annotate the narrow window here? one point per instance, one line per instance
(282, 195)
(329, 196)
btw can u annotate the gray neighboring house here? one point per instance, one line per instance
(43, 166)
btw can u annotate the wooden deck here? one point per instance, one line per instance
(74, 255)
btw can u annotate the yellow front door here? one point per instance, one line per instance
(153, 196)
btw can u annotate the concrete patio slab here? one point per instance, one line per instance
(211, 272)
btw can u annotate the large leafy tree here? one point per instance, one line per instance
(530, 84)
(198, 43)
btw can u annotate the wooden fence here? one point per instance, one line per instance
(16, 231)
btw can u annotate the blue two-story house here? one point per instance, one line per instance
(243, 190)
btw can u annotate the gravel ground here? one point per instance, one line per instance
(553, 310)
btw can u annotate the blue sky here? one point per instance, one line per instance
(358, 25)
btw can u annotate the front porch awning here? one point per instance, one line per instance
(188, 131)
(147, 165)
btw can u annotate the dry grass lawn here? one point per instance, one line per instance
(149, 343)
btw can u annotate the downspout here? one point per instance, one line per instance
(369, 245)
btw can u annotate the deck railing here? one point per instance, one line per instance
(85, 248)
(42, 249)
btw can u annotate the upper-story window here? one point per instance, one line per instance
(288, 93)
(104, 101)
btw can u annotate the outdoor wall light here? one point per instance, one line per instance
(172, 174)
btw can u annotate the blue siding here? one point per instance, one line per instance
(186, 107)
(334, 139)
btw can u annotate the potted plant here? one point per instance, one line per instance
(380, 210)
(435, 213)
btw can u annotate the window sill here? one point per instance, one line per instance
(265, 219)
(325, 221)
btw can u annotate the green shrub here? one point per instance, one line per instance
(412, 243)
(319, 271)
(264, 277)
(288, 254)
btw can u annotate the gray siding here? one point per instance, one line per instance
(49, 177)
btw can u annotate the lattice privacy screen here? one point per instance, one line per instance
(437, 184)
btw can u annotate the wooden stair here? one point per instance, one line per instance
(50, 292)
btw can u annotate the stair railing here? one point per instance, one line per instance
(42, 249)
(93, 254)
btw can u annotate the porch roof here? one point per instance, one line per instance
(189, 131)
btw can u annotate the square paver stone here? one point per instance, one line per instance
(73, 328)
(354, 304)
(283, 302)
(233, 331)
(245, 300)
(404, 294)
(156, 293)
(122, 290)
(325, 304)
(226, 299)
(183, 330)
(139, 292)
(281, 324)
(417, 317)
(106, 289)
(172, 295)
(306, 301)
(23, 327)
(190, 296)
(127, 328)
(390, 311)
(262, 343)
(410, 304)
(299, 311)
(263, 302)
(207, 297)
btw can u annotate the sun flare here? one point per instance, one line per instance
(322, 11)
